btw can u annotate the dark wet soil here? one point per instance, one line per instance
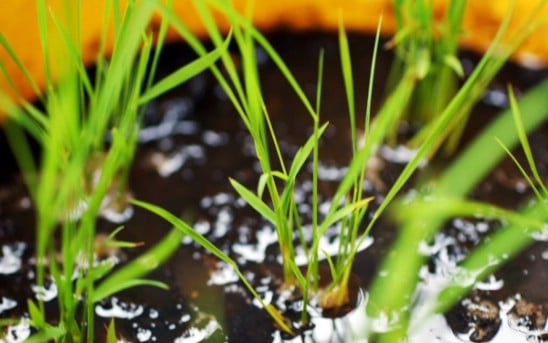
(193, 142)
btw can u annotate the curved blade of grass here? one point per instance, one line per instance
(129, 283)
(127, 276)
(304, 152)
(346, 66)
(111, 332)
(184, 73)
(395, 290)
(341, 213)
(533, 106)
(522, 171)
(206, 244)
(128, 42)
(74, 54)
(13, 55)
(237, 19)
(301, 156)
(254, 201)
(49, 334)
(459, 207)
(200, 49)
(504, 244)
(524, 141)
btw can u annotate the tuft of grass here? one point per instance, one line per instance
(87, 130)
(393, 293)
(429, 46)
(183, 227)
(243, 89)
(80, 113)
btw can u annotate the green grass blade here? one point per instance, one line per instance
(524, 141)
(128, 275)
(346, 66)
(522, 170)
(458, 207)
(372, 69)
(111, 332)
(246, 24)
(254, 201)
(74, 54)
(504, 244)
(206, 244)
(184, 73)
(13, 55)
(49, 334)
(303, 153)
(341, 213)
(535, 111)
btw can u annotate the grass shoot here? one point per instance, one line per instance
(87, 133)
(87, 129)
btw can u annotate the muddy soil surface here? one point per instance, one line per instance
(193, 141)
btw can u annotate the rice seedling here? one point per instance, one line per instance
(89, 128)
(429, 47)
(347, 207)
(392, 294)
(466, 97)
(87, 132)
(521, 227)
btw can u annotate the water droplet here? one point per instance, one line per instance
(496, 97)
(144, 335)
(331, 173)
(213, 138)
(185, 318)
(166, 165)
(153, 314)
(257, 253)
(223, 222)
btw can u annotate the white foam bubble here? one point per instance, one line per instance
(197, 335)
(11, 262)
(118, 309)
(7, 304)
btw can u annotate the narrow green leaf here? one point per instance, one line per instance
(128, 275)
(346, 66)
(521, 169)
(111, 332)
(454, 64)
(36, 315)
(254, 201)
(523, 138)
(343, 212)
(183, 74)
(304, 153)
(74, 54)
(206, 244)
(51, 333)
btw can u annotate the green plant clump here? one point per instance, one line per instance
(87, 129)
(79, 169)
